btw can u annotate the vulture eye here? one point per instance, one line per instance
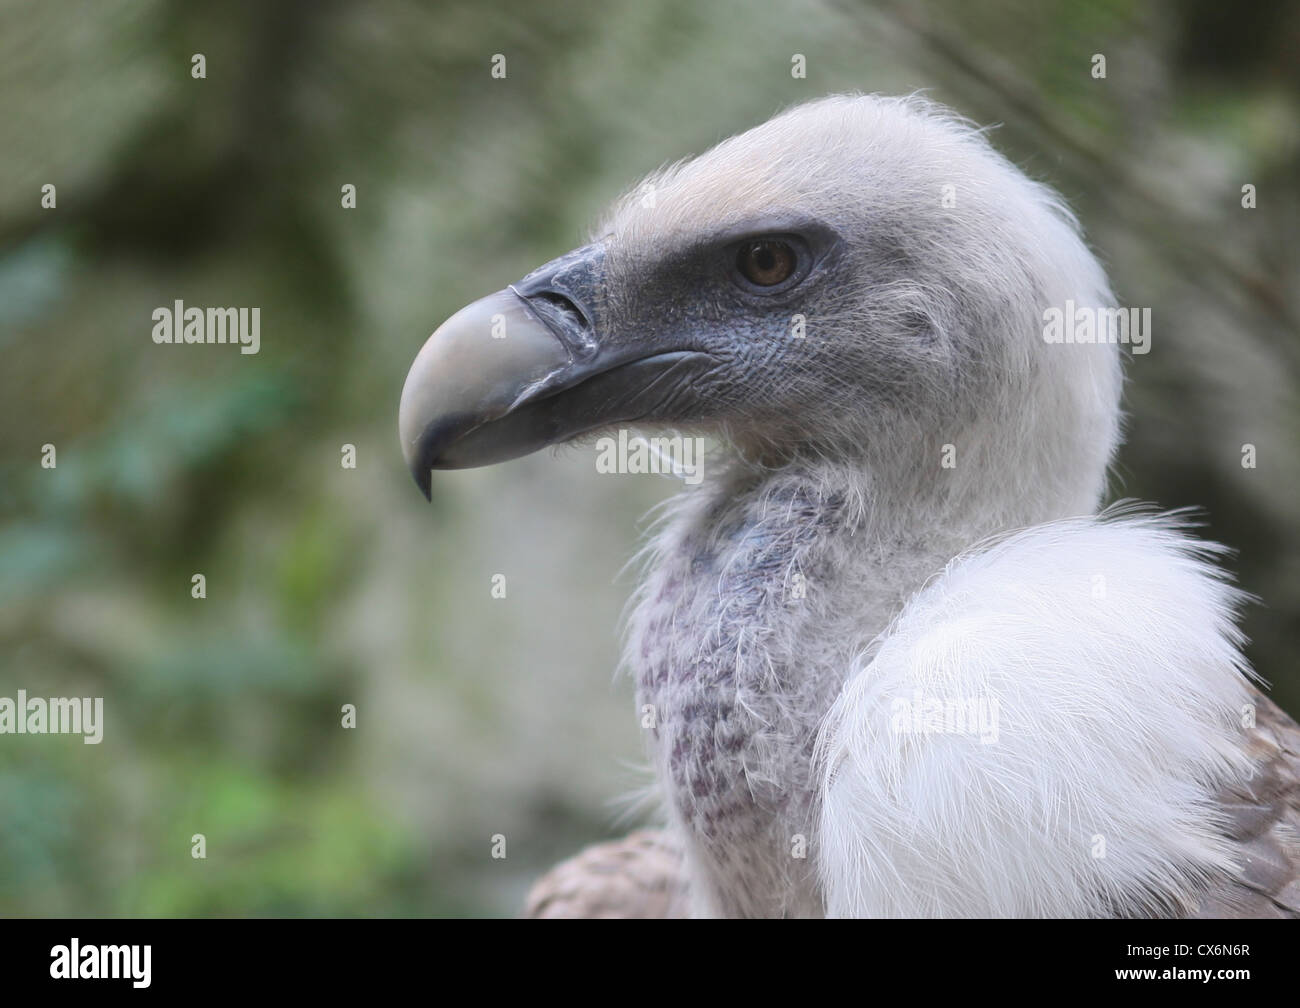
(766, 262)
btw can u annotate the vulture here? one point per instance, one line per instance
(892, 655)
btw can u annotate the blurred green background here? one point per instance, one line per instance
(329, 586)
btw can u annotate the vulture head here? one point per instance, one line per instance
(860, 278)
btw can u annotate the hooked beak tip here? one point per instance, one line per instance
(473, 371)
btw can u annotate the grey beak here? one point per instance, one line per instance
(475, 368)
(528, 367)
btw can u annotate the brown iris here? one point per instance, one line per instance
(766, 263)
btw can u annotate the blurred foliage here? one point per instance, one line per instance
(329, 586)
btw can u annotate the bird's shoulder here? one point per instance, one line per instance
(638, 876)
(1047, 728)
(1262, 817)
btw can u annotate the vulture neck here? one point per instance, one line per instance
(764, 586)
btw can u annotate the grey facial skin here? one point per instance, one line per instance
(603, 336)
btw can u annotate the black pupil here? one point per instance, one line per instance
(766, 263)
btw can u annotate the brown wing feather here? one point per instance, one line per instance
(639, 876)
(1264, 820)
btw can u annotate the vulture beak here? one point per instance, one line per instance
(525, 368)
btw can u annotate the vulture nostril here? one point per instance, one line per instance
(565, 319)
(561, 307)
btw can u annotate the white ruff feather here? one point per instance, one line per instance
(1108, 652)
